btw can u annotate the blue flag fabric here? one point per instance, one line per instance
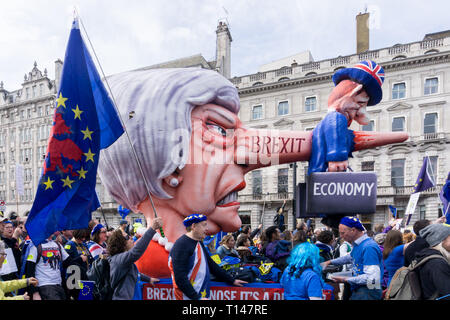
(87, 290)
(394, 211)
(84, 122)
(425, 179)
(445, 198)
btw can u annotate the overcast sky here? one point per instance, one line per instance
(136, 33)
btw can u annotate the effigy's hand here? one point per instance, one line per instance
(337, 166)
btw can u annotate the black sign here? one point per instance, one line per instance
(346, 193)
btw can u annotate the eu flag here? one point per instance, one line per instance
(86, 290)
(85, 121)
(445, 198)
(393, 211)
(425, 179)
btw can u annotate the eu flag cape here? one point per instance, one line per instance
(85, 121)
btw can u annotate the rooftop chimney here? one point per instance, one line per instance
(362, 32)
(223, 50)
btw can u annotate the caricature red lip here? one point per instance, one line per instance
(230, 198)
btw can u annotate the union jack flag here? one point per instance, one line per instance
(373, 69)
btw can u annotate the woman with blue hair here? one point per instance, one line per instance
(302, 279)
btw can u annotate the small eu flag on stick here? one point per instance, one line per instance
(85, 121)
(425, 179)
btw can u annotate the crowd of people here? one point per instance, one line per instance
(357, 264)
(43, 272)
(350, 262)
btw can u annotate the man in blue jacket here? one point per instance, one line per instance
(366, 259)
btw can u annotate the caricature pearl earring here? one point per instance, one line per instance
(174, 182)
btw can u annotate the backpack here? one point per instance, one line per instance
(99, 273)
(405, 284)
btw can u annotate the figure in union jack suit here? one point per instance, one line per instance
(332, 142)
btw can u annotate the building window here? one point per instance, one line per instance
(429, 123)
(283, 181)
(39, 111)
(283, 108)
(422, 211)
(398, 124)
(34, 91)
(257, 112)
(41, 89)
(431, 86)
(399, 91)
(256, 184)
(310, 104)
(368, 166)
(369, 127)
(398, 173)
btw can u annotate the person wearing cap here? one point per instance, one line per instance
(191, 265)
(366, 260)
(435, 273)
(97, 245)
(123, 225)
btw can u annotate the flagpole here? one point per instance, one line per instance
(121, 120)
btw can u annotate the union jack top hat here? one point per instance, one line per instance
(369, 74)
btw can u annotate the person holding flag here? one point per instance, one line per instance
(85, 122)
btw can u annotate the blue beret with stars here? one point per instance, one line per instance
(193, 218)
(352, 222)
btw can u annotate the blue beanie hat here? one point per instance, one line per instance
(352, 222)
(97, 228)
(193, 218)
(369, 74)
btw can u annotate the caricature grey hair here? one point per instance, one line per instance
(162, 101)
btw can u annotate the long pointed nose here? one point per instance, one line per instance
(263, 148)
(367, 140)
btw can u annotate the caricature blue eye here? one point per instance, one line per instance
(216, 128)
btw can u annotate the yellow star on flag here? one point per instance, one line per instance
(77, 112)
(89, 155)
(61, 101)
(48, 183)
(82, 173)
(87, 134)
(67, 182)
(203, 293)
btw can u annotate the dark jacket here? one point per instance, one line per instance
(325, 252)
(278, 249)
(434, 274)
(413, 248)
(124, 273)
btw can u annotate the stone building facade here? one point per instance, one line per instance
(416, 96)
(291, 94)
